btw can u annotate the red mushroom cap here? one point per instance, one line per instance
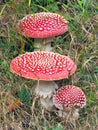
(68, 97)
(43, 66)
(42, 25)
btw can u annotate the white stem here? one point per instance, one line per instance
(70, 116)
(43, 44)
(46, 103)
(38, 44)
(48, 47)
(45, 90)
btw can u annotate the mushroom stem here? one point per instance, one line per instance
(46, 103)
(43, 44)
(46, 89)
(71, 115)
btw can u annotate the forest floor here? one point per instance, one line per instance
(80, 43)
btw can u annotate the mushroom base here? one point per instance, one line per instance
(70, 116)
(46, 103)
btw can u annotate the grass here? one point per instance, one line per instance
(80, 43)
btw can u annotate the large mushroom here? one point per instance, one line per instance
(68, 99)
(42, 26)
(44, 67)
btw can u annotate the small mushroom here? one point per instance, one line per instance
(44, 67)
(69, 99)
(41, 26)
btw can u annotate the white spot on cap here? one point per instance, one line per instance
(41, 29)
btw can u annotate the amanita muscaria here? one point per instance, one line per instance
(44, 67)
(42, 26)
(67, 98)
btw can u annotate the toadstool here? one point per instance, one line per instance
(41, 26)
(45, 66)
(69, 98)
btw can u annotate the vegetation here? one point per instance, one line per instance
(80, 43)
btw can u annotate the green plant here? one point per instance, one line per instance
(25, 96)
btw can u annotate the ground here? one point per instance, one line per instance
(19, 106)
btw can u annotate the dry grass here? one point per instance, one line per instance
(80, 43)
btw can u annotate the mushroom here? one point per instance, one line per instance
(44, 67)
(41, 26)
(69, 99)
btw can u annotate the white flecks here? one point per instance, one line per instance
(48, 29)
(24, 70)
(50, 73)
(66, 95)
(47, 21)
(41, 29)
(34, 29)
(44, 62)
